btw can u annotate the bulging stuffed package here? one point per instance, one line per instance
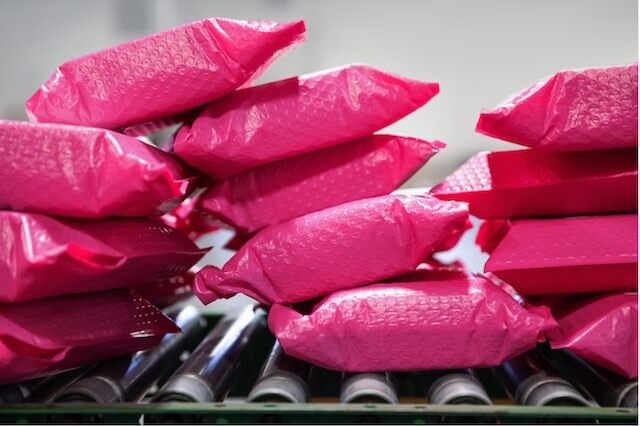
(86, 172)
(42, 256)
(568, 255)
(529, 183)
(345, 246)
(454, 321)
(60, 333)
(279, 191)
(162, 74)
(602, 329)
(262, 124)
(574, 110)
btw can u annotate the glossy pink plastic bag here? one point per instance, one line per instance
(42, 256)
(529, 183)
(56, 334)
(601, 329)
(278, 120)
(85, 172)
(161, 74)
(574, 110)
(279, 191)
(339, 247)
(568, 255)
(449, 322)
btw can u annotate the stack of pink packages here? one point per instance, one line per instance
(562, 216)
(82, 200)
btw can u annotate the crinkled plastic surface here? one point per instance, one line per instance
(451, 322)
(339, 247)
(56, 334)
(161, 74)
(593, 108)
(42, 256)
(286, 118)
(490, 233)
(190, 219)
(601, 329)
(85, 172)
(279, 191)
(529, 183)
(568, 255)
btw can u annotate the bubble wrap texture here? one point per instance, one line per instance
(529, 183)
(279, 191)
(568, 255)
(161, 74)
(455, 322)
(594, 108)
(601, 329)
(278, 120)
(339, 247)
(51, 335)
(41, 256)
(91, 173)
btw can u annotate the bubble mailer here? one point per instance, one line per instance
(568, 255)
(452, 322)
(529, 183)
(85, 172)
(56, 334)
(601, 329)
(352, 244)
(278, 120)
(593, 108)
(161, 74)
(279, 191)
(42, 256)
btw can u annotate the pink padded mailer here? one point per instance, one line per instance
(530, 183)
(92, 172)
(278, 120)
(601, 329)
(276, 192)
(450, 322)
(593, 108)
(568, 255)
(339, 247)
(61, 333)
(41, 256)
(161, 74)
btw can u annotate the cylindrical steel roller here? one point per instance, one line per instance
(206, 376)
(454, 387)
(43, 389)
(375, 388)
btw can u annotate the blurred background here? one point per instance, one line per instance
(479, 52)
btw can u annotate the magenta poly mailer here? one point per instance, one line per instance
(450, 322)
(86, 172)
(567, 255)
(279, 191)
(286, 118)
(42, 256)
(530, 183)
(60, 333)
(162, 74)
(602, 329)
(352, 244)
(574, 110)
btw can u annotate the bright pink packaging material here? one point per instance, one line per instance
(529, 183)
(189, 218)
(574, 110)
(345, 246)
(450, 322)
(56, 334)
(286, 118)
(279, 191)
(568, 255)
(42, 256)
(86, 172)
(162, 74)
(601, 329)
